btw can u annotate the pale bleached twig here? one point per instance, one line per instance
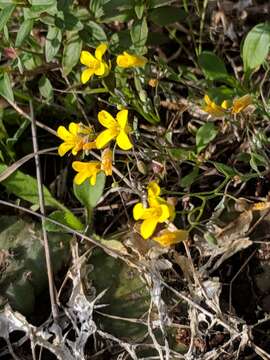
(42, 210)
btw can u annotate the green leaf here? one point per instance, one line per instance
(5, 15)
(212, 66)
(127, 295)
(45, 88)
(88, 194)
(97, 32)
(205, 135)
(256, 46)
(189, 179)
(65, 218)
(24, 31)
(120, 41)
(24, 277)
(25, 187)
(166, 15)
(225, 169)
(53, 42)
(5, 87)
(181, 154)
(72, 52)
(139, 34)
(139, 9)
(257, 161)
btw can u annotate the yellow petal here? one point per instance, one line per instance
(148, 227)
(74, 128)
(106, 119)
(64, 134)
(165, 213)
(167, 238)
(101, 69)
(100, 51)
(122, 118)
(122, 61)
(81, 177)
(78, 146)
(105, 137)
(79, 166)
(153, 189)
(86, 74)
(64, 148)
(225, 104)
(93, 179)
(138, 211)
(127, 60)
(86, 58)
(123, 141)
(241, 103)
(207, 99)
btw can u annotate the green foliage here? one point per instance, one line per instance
(26, 187)
(88, 194)
(65, 218)
(190, 178)
(256, 46)
(45, 88)
(126, 296)
(139, 34)
(166, 15)
(24, 31)
(212, 66)
(23, 271)
(5, 87)
(72, 51)
(5, 15)
(205, 135)
(53, 42)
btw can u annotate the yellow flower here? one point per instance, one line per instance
(213, 109)
(153, 198)
(158, 211)
(92, 168)
(241, 103)
(95, 64)
(75, 138)
(167, 237)
(116, 129)
(127, 60)
(86, 170)
(106, 161)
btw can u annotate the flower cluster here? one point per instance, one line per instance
(236, 107)
(79, 137)
(95, 65)
(157, 212)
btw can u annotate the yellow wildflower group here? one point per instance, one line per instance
(238, 105)
(157, 215)
(79, 137)
(95, 65)
(157, 212)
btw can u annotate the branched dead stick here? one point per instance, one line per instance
(42, 210)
